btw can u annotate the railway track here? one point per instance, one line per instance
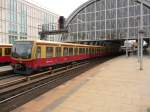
(17, 92)
(11, 80)
(6, 77)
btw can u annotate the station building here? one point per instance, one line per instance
(20, 19)
(107, 20)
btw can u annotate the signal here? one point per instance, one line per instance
(61, 23)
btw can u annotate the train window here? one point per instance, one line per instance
(93, 50)
(0, 51)
(80, 50)
(83, 51)
(76, 51)
(70, 51)
(96, 50)
(103, 49)
(58, 51)
(87, 50)
(99, 50)
(65, 53)
(49, 52)
(38, 52)
(7, 51)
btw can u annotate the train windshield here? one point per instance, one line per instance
(22, 50)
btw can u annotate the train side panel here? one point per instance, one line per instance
(5, 51)
(59, 53)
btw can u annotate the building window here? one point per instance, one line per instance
(23, 19)
(12, 39)
(23, 38)
(12, 16)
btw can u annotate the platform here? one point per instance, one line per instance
(114, 86)
(5, 68)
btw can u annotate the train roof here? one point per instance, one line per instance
(59, 43)
(6, 45)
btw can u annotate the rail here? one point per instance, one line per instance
(50, 73)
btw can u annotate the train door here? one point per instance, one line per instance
(49, 55)
(38, 55)
(58, 53)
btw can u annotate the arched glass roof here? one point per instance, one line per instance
(107, 20)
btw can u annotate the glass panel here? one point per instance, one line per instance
(65, 52)
(80, 50)
(0, 51)
(58, 51)
(76, 51)
(38, 52)
(87, 50)
(49, 52)
(98, 5)
(70, 51)
(22, 50)
(7, 51)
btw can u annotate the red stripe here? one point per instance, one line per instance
(4, 59)
(51, 61)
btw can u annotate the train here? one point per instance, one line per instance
(29, 55)
(5, 53)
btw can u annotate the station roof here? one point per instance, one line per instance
(74, 13)
(146, 2)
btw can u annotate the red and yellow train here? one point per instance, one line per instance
(5, 52)
(28, 56)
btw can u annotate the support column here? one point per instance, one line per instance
(105, 21)
(141, 34)
(127, 31)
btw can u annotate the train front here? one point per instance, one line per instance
(22, 57)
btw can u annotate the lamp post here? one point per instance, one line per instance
(141, 35)
(138, 40)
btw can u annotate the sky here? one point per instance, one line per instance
(60, 7)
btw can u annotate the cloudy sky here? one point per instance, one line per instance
(60, 7)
